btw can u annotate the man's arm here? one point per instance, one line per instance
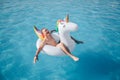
(38, 50)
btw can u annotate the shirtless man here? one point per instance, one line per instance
(49, 40)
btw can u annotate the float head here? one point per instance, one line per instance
(65, 25)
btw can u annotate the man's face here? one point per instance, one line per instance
(45, 31)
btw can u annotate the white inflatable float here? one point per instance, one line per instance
(63, 34)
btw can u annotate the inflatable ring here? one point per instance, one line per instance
(48, 49)
(64, 28)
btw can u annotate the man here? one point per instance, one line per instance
(49, 40)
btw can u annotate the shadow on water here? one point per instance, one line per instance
(96, 65)
(101, 61)
(2, 77)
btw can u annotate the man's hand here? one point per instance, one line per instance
(35, 58)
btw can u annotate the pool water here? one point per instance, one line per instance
(99, 28)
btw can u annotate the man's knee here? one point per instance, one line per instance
(62, 44)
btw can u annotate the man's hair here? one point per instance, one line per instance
(42, 29)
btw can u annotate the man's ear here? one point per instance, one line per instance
(42, 35)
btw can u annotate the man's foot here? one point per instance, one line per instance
(75, 58)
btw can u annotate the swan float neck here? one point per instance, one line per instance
(64, 28)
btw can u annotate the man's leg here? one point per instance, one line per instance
(66, 50)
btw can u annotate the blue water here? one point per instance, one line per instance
(99, 28)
